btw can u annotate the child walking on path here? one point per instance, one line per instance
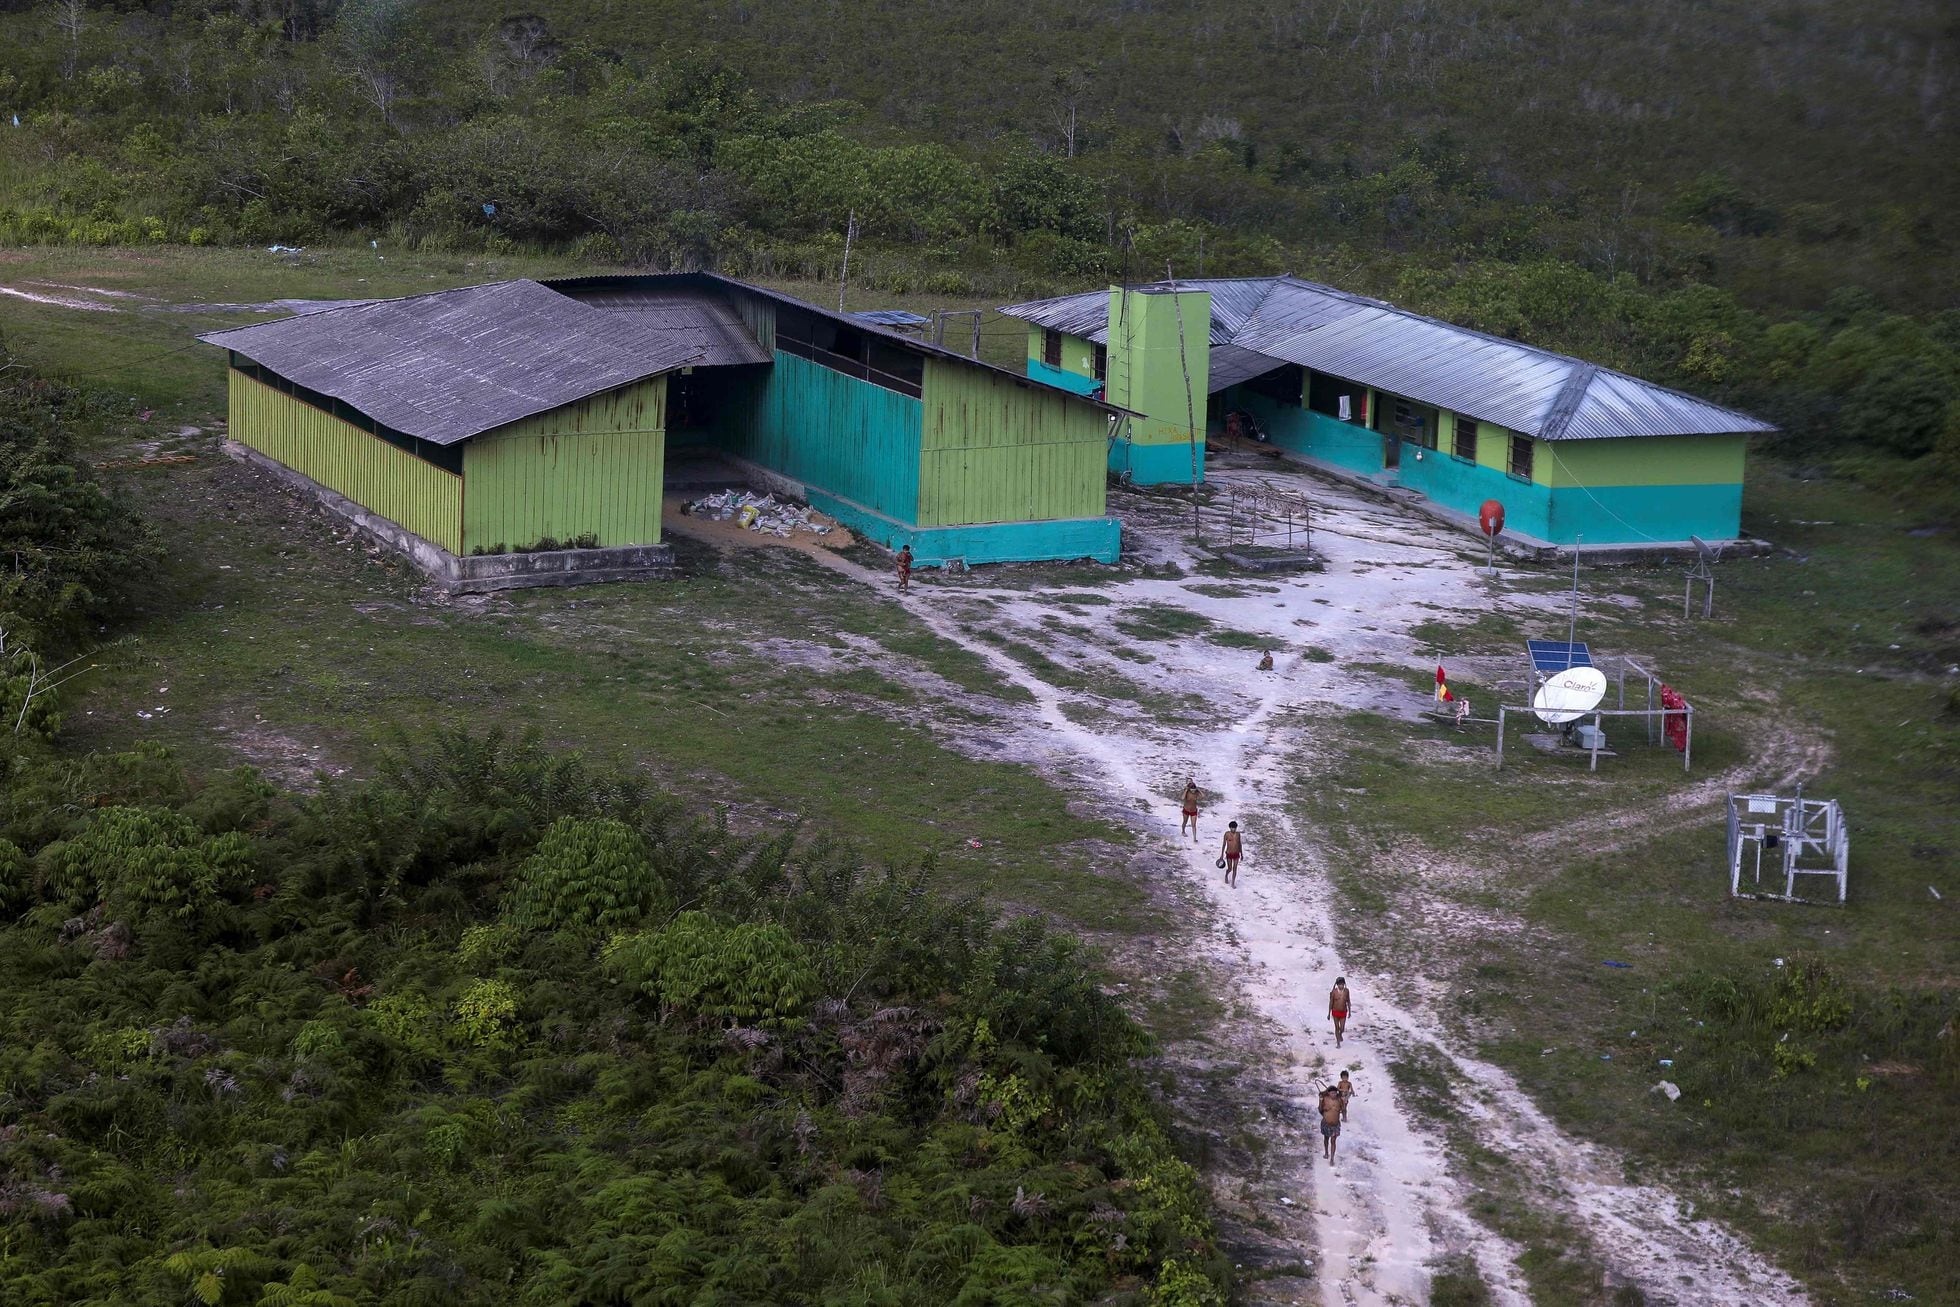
(1190, 821)
(1229, 852)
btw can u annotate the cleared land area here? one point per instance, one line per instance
(1507, 1142)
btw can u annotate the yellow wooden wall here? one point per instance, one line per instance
(593, 467)
(368, 470)
(997, 450)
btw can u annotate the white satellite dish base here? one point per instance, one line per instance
(1569, 695)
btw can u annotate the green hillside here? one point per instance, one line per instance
(1711, 195)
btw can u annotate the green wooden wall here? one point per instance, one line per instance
(594, 467)
(853, 439)
(1649, 461)
(994, 450)
(368, 470)
(1150, 356)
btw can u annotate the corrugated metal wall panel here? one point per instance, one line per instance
(594, 467)
(995, 451)
(759, 316)
(854, 439)
(368, 470)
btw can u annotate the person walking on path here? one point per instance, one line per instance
(1331, 1108)
(1346, 1090)
(1230, 850)
(1339, 1004)
(1190, 821)
(904, 568)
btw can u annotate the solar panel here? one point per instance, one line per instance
(1550, 656)
(891, 317)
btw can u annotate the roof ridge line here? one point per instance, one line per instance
(1558, 415)
(368, 304)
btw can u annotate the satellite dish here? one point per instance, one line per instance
(1569, 695)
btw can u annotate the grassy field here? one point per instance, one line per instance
(273, 640)
(144, 347)
(1815, 1047)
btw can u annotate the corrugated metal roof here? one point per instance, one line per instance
(701, 321)
(1085, 315)
(1230, 365)
(453, 364)
(714, 282)
(1552, 396)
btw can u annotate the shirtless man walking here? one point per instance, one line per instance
(1330, 1121)
(1339, 1004)
(1190, 821)
(1231, 849)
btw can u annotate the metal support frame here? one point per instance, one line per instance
(1809, 834)
(1598, 715)
(1702, 570)
(941, 317)
(1262, 514)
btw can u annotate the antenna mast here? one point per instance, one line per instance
(1572, 636)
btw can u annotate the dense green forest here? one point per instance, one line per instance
(500, 1026)
(1752, 202)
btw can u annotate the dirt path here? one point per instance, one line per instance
(1390, 1208)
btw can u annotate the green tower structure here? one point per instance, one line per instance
(1159, 345)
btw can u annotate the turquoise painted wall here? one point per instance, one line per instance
(1646, 514)
(1155, 465)
(1313, 435)
(852, 438)
(1698, 491)
(1069, 381)
(1464, 487)
(1097, 538)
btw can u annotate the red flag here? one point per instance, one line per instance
(1443, 686)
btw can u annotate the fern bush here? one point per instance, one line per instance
(369, 1076)
(587, 874)
(16, 880)
(745, 971)
(149, 865)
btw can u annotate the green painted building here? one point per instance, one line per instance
(519, 417)
(1148, 351)
(1574, 452)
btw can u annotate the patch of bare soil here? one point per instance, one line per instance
(286, 760)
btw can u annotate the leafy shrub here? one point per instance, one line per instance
(75, 550)
(486, 1015)
(440, 1106)
(16, 880)
(748, 972)
(587, 874)
(149, 865)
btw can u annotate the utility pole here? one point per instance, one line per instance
(844, 279)
(1572, 635)
(1190, 403)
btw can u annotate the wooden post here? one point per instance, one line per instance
(1599, 734)
(844, 277)
(1688, 740)
(1500, 737)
